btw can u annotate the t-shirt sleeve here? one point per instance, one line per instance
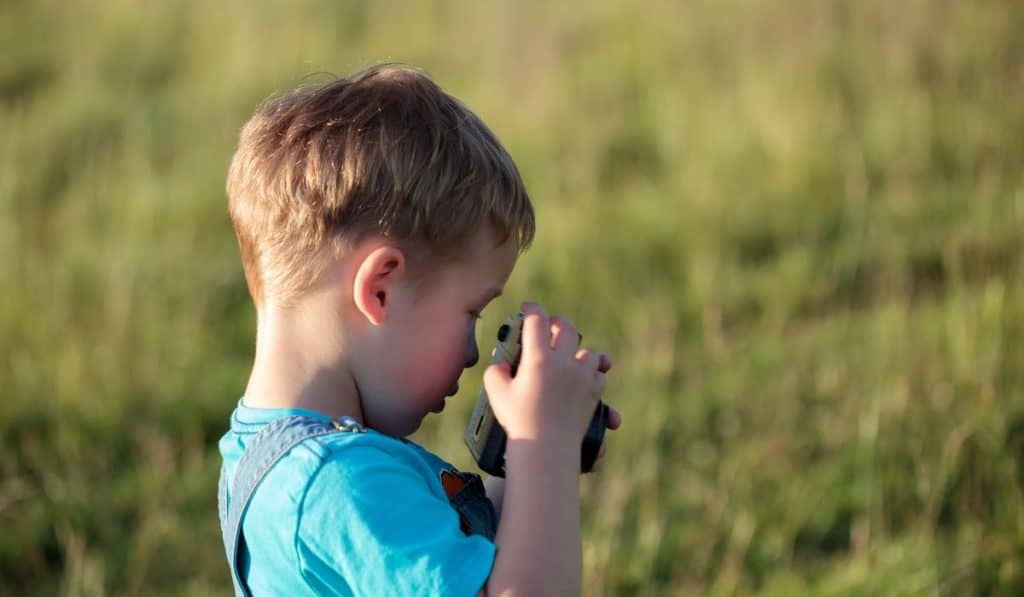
(369, 520)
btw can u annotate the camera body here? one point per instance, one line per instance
(486, 438)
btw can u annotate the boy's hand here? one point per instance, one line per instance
(557, 385)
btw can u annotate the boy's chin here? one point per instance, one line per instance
(399, 428)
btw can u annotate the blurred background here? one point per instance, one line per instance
(796, 227)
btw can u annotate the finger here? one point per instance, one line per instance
(497, 377)
(536, 338)
(606, 363)
(564, 337)
(599, 385)
(614, 419)
(588, 358)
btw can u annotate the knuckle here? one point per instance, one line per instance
(562, 322)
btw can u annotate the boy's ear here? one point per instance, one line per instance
(374, 286)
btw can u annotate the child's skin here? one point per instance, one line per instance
(374, 343)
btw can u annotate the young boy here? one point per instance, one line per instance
(377, 217)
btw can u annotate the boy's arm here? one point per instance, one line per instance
(545, 410)
(539, 537)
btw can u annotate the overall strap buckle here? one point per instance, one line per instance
(347, 423)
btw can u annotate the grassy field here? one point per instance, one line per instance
(796, 226)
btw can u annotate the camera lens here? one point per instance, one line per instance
(502, 332)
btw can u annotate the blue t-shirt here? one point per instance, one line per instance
(352, 514)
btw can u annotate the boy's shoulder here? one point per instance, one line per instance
(351, 454)
(354, 507)
(367, 452)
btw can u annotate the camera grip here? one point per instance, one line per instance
(485, 437)
(594, 438)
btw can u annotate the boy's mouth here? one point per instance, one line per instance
(451, 392)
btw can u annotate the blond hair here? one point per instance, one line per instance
(386, 152)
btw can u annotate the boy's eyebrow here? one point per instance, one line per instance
(493, 294)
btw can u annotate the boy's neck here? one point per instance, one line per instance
(300, 364)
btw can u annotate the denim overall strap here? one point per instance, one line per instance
(267, 447)
(476, 512)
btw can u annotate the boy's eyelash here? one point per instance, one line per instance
(476, 314)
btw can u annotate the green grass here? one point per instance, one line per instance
(796, 227)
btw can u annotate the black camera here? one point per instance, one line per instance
(484, 435)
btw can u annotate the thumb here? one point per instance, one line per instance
(497, 377)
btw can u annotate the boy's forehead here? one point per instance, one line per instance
(487, 253)
(499, 262)
(492, 267)
(488, 268)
